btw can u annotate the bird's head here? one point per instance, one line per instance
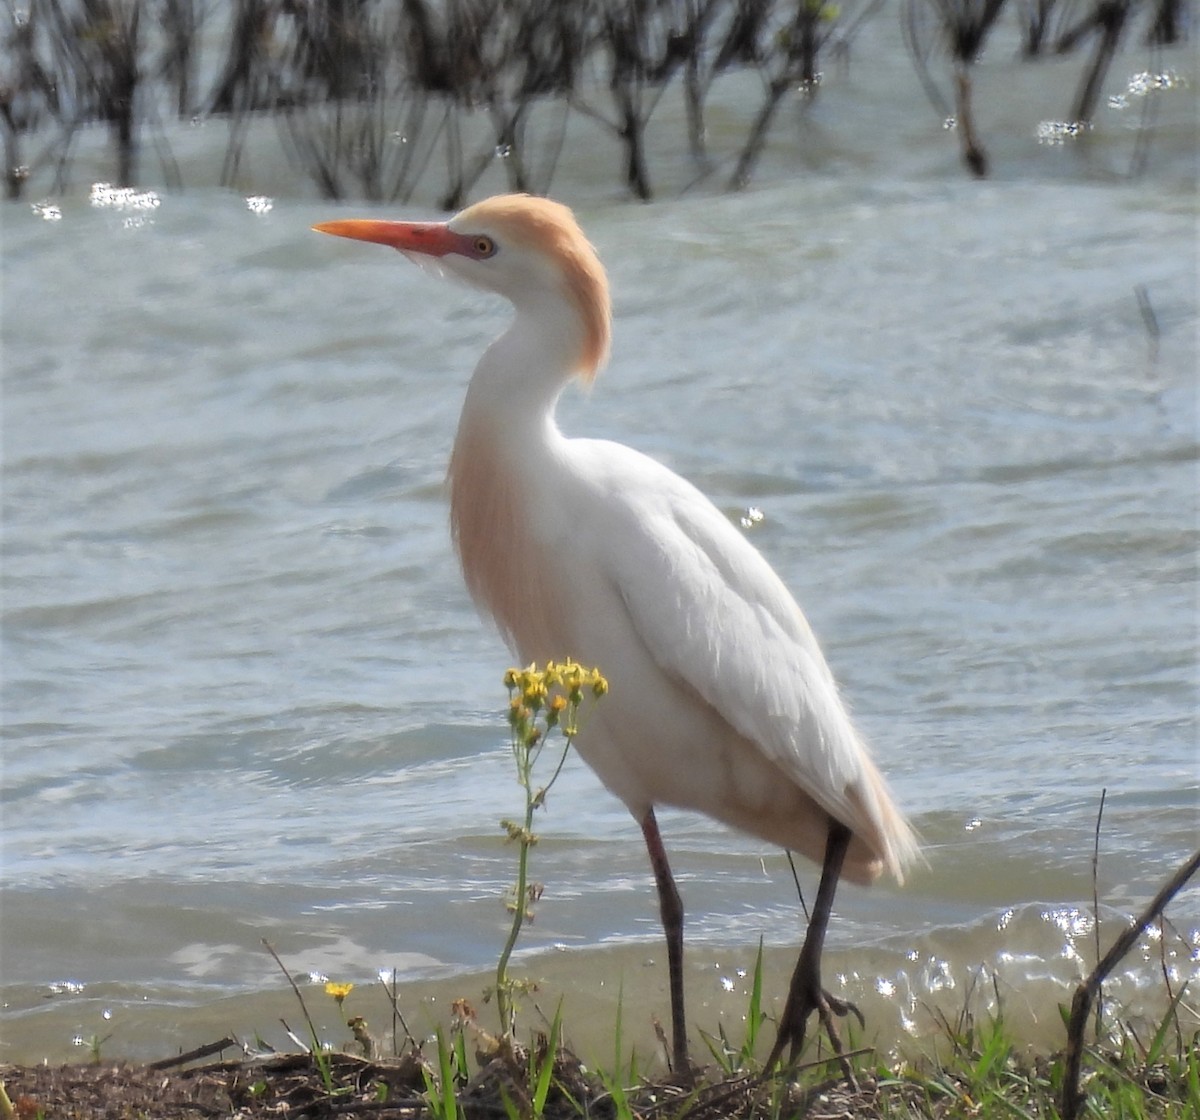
(529, 250)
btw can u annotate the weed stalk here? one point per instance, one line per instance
(541, 701)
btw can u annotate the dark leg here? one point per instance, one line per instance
(806, 994)
(671, 909)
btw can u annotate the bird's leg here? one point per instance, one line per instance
(671, 908)
(806, 994)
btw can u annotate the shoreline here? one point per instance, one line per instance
(595, 987)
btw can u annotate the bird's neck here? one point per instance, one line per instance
(504, 451)
(526, 368)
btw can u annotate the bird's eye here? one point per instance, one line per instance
(484, 246)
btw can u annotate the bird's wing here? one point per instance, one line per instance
(713, 613)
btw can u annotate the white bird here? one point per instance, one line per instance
(720, 700)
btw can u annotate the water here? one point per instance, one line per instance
(246, 696)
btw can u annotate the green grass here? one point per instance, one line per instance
(970, 1067)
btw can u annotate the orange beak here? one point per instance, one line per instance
(433, 239)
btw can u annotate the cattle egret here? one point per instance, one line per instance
(720, 700)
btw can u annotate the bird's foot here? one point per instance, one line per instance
(802, 1001)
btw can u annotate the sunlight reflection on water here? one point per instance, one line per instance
(246, 694)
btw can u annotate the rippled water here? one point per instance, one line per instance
(246, 696)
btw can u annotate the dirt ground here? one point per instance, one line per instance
(291, 1086)
(287, 1085)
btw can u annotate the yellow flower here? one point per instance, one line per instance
(338, 991)
(547, 693)
(535, 693)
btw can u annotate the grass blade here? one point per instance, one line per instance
(544, 1075)
(444, 1102)
(754, 1015)
(1156, 1043)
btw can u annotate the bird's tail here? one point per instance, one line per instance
(883, 839)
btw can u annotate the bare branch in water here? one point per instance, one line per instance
(1089, 989)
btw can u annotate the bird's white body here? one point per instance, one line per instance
(719, 697)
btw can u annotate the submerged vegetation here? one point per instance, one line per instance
(372, 97)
